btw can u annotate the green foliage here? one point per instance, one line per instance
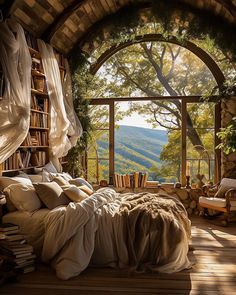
(168, 19)
(81, 105)
(227, 136)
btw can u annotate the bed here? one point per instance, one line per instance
(136, 232)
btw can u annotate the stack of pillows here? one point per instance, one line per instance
(47, 188)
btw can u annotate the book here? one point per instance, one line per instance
(6, 227)
(28, 269)
(10, 232)
(15, 237)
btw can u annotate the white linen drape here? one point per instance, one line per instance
(15, 106)
(59, 143)
(75, 129)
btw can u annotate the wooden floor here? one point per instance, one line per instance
(213, 272)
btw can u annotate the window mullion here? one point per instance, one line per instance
(111, 141)
(183, 141)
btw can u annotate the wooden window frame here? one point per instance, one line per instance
(184, 101)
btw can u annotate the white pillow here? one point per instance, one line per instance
(50, 167)
(225, 185)
(65, 175)
(81, 181)
(74, 193)
(46, 176)
(32, 177)
(36, 177)
(23, 197)
(6, 181)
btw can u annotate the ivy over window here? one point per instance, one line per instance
(227, 136)
(169, 18)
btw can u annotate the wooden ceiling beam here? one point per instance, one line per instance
(59, 21)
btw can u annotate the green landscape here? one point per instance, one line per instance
(136, 149)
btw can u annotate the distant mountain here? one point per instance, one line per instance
(136, 148)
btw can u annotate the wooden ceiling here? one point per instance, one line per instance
(64, 22)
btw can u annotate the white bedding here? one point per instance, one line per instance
(135, 231)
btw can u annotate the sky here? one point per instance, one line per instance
(135, 119)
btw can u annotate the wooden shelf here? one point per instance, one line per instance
(34, 149)
(37, 73)
(34, 52)
(20, 169)
(33, 146)
(39, 128)
(40, 112)
(34, 91)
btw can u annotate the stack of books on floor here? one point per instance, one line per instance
(15, 250)
(131, 180)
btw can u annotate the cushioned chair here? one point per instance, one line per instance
(221, 198)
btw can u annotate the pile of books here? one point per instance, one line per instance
(14, 249)
(131, 180)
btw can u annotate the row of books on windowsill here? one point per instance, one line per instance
(14, 249)
(133, 180)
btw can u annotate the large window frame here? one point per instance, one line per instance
(184, 101)
(206, 59)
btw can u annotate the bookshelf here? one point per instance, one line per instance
(34, 151)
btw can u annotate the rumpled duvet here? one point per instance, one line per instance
(137, 232)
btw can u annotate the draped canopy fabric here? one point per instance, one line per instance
(63, 121)
(16, 62)
(75, 129)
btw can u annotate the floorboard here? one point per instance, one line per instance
(213, 272)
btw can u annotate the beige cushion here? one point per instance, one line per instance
(32, 177)
(51, 194)
(225, 185)
(65, 175)
(23, 197)
(50, 167)
(81, 181)
(217, 202)
(74, 193)
(60, 180)
(6, 181)
(36, 177)
(86, 189)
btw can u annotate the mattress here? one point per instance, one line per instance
(31, 226)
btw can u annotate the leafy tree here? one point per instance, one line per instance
(157, 69)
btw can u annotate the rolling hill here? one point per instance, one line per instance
(136, 148)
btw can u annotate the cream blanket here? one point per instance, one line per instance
(133, 231)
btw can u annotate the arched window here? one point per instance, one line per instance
(156, 88)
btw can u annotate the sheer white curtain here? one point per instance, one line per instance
(15, 105)
(60, 125)
(75, 129)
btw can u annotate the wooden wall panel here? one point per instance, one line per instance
(38, 16)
